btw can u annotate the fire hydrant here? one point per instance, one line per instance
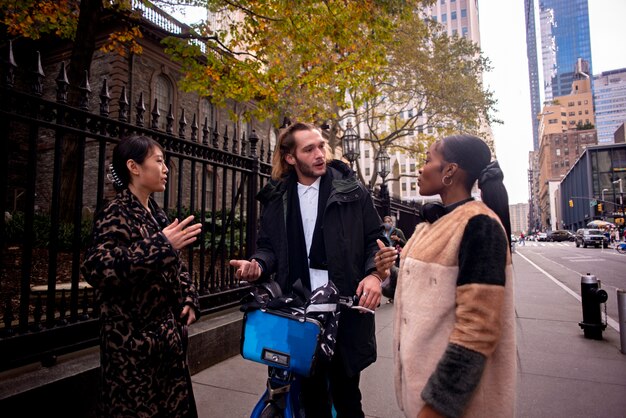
(592, 296)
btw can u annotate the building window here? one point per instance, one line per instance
(404, 187)
(464, 31)
(572, 113)
(455, 32)
(570, 103)
(586, 112)
(412, 168)
(443, 1)
(367, 153)
(566, 163)
(207, 113)
(367, 171)
(413, 186)
(453, 15)
(444, 18)
(163, 93)
(556, 164)
(558, 152)
(580, 112)
(463, 12)
(402, 168)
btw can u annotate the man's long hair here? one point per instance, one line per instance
(286, 144)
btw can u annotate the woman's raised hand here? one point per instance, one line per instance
(180, 234)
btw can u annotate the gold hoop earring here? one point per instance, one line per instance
(443, 181)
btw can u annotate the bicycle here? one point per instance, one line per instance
(289, 334)
(621, 247)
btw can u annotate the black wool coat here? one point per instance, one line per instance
(351, 227)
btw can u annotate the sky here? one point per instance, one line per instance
(503, 41)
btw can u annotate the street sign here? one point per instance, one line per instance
(593, 202)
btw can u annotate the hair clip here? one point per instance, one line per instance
(114, 178)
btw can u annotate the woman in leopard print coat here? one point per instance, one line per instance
(146, 296)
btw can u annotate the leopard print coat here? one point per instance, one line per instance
(141, 286)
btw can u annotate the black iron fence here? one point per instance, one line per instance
(46, 308)
(53, 178)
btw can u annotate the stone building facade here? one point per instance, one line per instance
(566, 128)
(150, 76)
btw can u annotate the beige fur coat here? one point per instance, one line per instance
(454, 330)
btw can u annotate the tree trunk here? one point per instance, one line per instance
(80, 60)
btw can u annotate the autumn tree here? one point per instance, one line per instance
(290, 58)
(381, 63)
(428, 90)
(307, 60)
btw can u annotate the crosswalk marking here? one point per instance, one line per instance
(545, 244)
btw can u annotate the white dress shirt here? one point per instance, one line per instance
(309, 198)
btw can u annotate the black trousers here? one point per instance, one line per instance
(330, 385)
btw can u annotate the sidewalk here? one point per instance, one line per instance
(561, 374)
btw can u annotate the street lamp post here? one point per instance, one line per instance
(351, 144)
(621, 197)
(621, 193)
(602, 200)
(383, 168)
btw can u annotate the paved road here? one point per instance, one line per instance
(566, 263)
(560, 373)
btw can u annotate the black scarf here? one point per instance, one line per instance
(296, 244)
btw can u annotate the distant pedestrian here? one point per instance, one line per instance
(522, 240)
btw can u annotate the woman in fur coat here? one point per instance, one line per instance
(454, 330)
(146, 296)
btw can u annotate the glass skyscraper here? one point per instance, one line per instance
(533, 68)
(564, 38)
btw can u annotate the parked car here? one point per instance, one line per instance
(559, 235)
(595, 237)
(542, 236)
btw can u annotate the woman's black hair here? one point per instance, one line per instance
(134, 147)
(473, 155)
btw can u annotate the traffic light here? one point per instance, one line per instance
(571, 203)
(600, 207)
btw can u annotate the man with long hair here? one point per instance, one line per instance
(318, 224)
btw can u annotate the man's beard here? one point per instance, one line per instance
(308, 171)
